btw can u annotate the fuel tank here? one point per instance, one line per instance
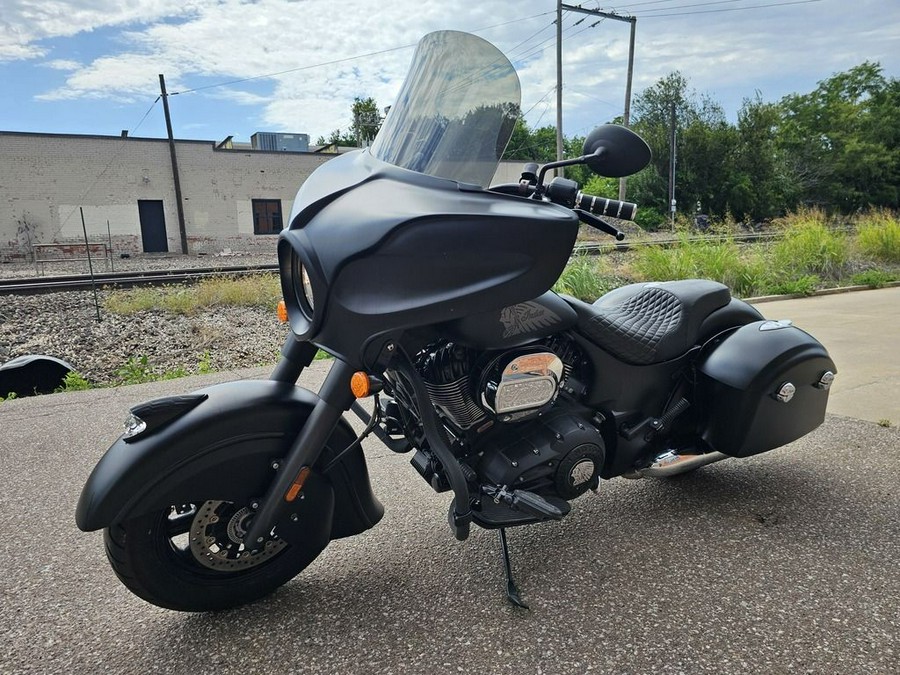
(514, 325)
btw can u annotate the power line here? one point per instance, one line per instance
(112, 159)
(538, 48)
(648, 2)
(291, 70)
(343, 60)
(540, 100)
(730, 9)
(698, 4)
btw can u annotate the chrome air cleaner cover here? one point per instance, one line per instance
(518, 381)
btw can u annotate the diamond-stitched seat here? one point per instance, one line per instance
(651, 322)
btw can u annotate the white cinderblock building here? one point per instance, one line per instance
(232, 198)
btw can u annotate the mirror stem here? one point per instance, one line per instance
(555, 165)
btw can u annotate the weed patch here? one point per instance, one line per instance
(74, 381)
(878, 236)
(719, 259)
(584, 278)
(256, 290)
(873, 278)
(809, 246)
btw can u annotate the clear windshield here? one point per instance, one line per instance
(455, 112)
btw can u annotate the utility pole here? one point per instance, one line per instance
(672, 165)
(626, 118)
(559, 131)
(606, 15)
(182, 230)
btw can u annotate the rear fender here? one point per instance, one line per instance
(224, 448)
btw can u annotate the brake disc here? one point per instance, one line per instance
(216, 538)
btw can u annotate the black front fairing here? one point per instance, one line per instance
(387, 249)
(404, 236)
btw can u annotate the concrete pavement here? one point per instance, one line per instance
(785, 562)
(861, 331)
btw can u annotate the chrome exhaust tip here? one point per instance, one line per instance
(672, 463)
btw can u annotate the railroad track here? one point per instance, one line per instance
(600, 248)
(80, 282)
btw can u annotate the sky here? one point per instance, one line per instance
(235, 67)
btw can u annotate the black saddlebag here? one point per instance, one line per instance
(764, 385)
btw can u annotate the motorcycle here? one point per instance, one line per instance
(432, 293)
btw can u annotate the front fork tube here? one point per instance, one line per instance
(335, 398)
(295, 356)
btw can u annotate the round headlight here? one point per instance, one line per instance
(303, 292)
(307, 287)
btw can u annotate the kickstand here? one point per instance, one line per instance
(512, 593)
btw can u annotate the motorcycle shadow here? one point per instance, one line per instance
(634, 551)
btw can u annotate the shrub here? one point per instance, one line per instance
(803, 285)
(878, 236)
(135, 371)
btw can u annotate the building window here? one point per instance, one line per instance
(267, 216)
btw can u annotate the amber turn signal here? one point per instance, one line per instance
(282, 311)
(297, 485)
(360, 385)
(363, 385)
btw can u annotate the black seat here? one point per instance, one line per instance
(651, 322)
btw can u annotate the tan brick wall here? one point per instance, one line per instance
(44, 179)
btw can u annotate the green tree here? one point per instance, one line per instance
(756, 185)
(539, 145)
(531, 145)
(366, 123)
(366, 119)
(841, 140)
(705, 143)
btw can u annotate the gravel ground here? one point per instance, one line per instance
(65, 325)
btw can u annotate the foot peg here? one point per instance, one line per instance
(525, 501)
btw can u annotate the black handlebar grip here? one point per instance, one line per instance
(606, 207)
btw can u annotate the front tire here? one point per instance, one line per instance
(190, 557)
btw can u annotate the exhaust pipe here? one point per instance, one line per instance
(672, 463)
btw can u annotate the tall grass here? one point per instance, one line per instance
(719, 259)
(586, 278)
(809, 246)
(878, 236)
(258, 290)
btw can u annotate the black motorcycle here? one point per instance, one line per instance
(432, 294)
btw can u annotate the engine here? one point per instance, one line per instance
(471, 388)
(508, 421)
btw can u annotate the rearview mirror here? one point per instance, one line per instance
(615, 151)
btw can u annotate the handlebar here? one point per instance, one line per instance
(566, 193)
(601, 206)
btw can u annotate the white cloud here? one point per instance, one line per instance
(242, 97)
(62, 64)
(201, 43)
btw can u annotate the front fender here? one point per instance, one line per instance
(223, 448)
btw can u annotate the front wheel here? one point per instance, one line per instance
(191, 557)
